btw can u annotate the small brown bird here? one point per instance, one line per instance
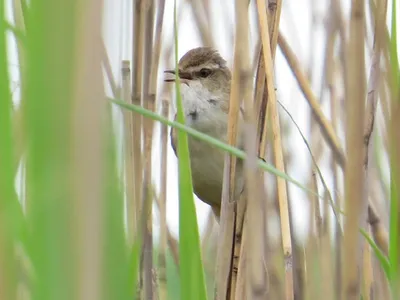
(205, 87)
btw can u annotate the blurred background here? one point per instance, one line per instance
(82, 50)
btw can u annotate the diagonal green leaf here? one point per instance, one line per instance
(209, 139)
(383, 260)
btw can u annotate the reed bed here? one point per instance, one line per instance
(85, 160)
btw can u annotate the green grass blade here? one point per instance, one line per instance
(394, 234)
(191, 267)
(209, 139)
(383, 260)
(47, 106)
(8, 279)
(116, 284)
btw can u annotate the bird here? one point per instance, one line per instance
(205, 81)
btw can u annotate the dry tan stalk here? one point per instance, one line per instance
(338, 230)
(163, 209)
(252, 252)
(148, 99)
(274, 15)
(312, 265)
(379, 233)
(238, 246)
(326, 127)
(336, 8)
(260, 103)
(232, 211)
(127, 115)
(278, 154)
(261, 94)
(317, 221)
(327, 277)
(199, 14)
(381, 288)
(316, 141)
(327, 259)
(108, 71)
(88, 152)
(394, 134)
(138, 25)
(354, 177)
(298, 271)
(372, 99)
(172, 242)
(138, 42)
(367, 280)
(241, 291)
(157, 46)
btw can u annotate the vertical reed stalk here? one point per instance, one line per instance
(356, 204)
(128, 151)
(277, 144)
(163, 209)
(88, 154)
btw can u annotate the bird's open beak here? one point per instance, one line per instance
(170, 79)
(183, 76)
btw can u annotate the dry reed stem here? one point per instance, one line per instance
(326, 127)
(163, 208)
(356, 203)
(381, 288)
(372, 99)
(88, 152)
(137, 127)
(367, 275)
(251, 281)
(203, 26)
(108, 70)
(312, 265)
(274, 15)
(157, 46)
(260, 103)
(394, 134)
(277, 144)
(379, 233)
(238, 254)
(261, 94)
(127, 115)
(338, 199)
(172, 242)
(232, 211)
(148, 99)
(317, 221)
(242, 289)
(327, 258)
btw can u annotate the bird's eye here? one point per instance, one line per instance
(204, 72)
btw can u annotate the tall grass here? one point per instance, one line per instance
(74, 225)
